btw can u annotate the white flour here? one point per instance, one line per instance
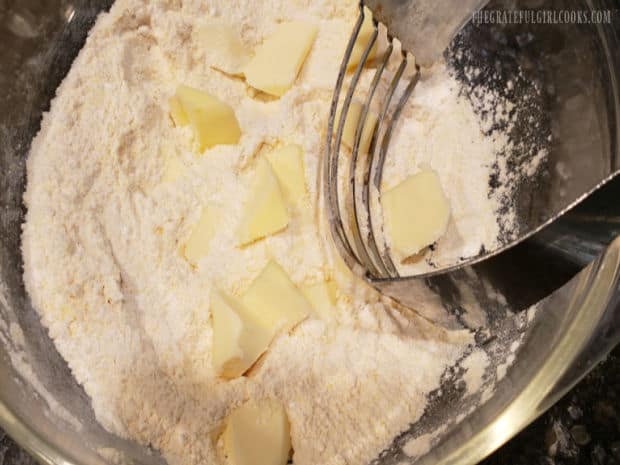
(442, 131)
(131, 316)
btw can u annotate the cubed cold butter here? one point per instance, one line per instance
(258, 433)
(275, 300)
(350, 127)
(322, 296)
(177, 112)
(213, 121)
(364, 37)
(197, 245)
(416, 213)
(239, 337)
(224, 50)
(279, 58)
(265, 212)
(288, 165)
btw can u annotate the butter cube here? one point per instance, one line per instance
(258, 433)
(322, 296)
(416, 213)
(365, 34)
(177, 112)
(288, 165)
(279, 58)
(213, 121)
(244, 328)
(223, 48)
(197, 245)
(275, 300)
(239, 338)
(265, 211)
(350, 127)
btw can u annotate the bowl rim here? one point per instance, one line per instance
(595, 291)
(594, 294)
(598, 285)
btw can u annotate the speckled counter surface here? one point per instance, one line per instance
(583, 428)
(11, 453)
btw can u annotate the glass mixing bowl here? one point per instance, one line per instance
(546, 351)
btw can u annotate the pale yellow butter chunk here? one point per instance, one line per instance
(224, 50)
(363, 39)
(416, 213)
(213, 121)
(239, 338)
(279, 58)
(350, 127)
(197, 245)
(275, 300)
(265, 211)
(322, 296)
(177, 112)
(288, 165)
(258, 433)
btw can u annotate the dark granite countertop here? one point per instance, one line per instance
(11, 453)
(583, 428)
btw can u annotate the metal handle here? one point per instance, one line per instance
(524, 274)
(425, 27)
(576, 327)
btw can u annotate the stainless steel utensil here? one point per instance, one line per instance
(426, 27)
(578, 66)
